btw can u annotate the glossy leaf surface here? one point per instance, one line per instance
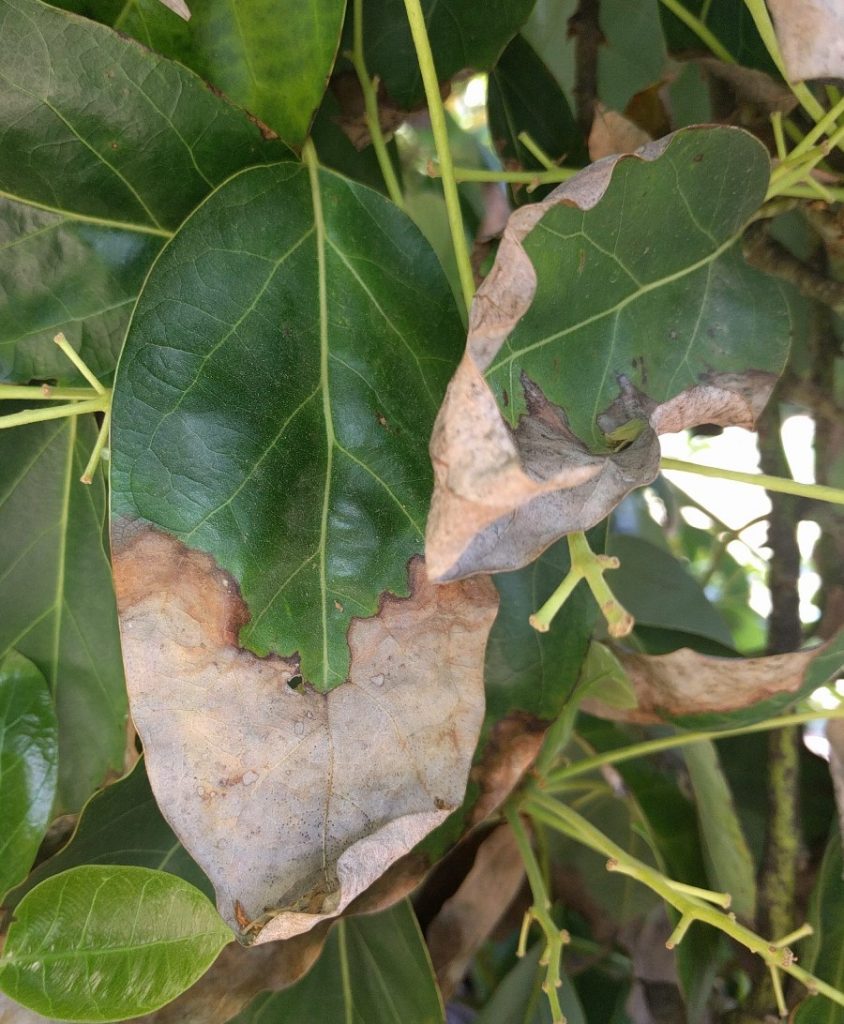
(57, 600)
(28, 765)
(374, 970)
(60, 273)
(107, 943)
(286, 437)
(271, 58)
(136, 143)
(122, 825)
(463, 34)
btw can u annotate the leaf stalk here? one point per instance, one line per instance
(439, 128)
(818, 492)
(586, 565)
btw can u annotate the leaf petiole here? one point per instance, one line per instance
(586, 565)
(819, 492)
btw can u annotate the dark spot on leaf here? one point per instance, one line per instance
(697, 159)
(439, 803)
(505, 398)
(382, 422)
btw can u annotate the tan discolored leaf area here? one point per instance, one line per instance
(811, 37)
(613, 133)
(178, 7)
(294, 802)
(466, 920)
(687, 683)
(504, 493)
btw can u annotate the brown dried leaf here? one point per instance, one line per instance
(811, 37)
(687, 683)
(352, 117)
(294, 802)
(750, 86)
(613, 133)
(466, 920)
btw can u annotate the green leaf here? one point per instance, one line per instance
(136, 143)
(287, 442)
(644, 577)
(272, 58)
(28, 765)
(632, 56)
(524, 96)
(57, 602)
(374, 970)
(825, 955)
(650, 282)
(730, 23)
(105, 943)
(519, 998)
(730, 866)
(463, 34)
(63, 274)
(121, 825)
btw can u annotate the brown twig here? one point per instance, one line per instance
(584, 25)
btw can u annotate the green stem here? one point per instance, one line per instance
(439, 128)
(765, 28)
(79, 363)
(97, 453)
(586, 565)
(536, 150)
(786, 177)
(826, 123)
(557, 780)
(57, 412)
(512, 177)
(700, 30)
(45, 393)
(818, 492)
(554, 938)
(370, 102)
(564, 819)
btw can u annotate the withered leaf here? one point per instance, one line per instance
(292, 801)
(811, 37)
(613, 133)
(623, 296)
(685, 682)
(467, 918)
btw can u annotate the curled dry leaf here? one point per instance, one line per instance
(811, 37)
(467, 918)
(687, 683)
(629, 276)
(292, 801)
(613, 133)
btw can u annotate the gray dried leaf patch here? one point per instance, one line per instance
(294, 802)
